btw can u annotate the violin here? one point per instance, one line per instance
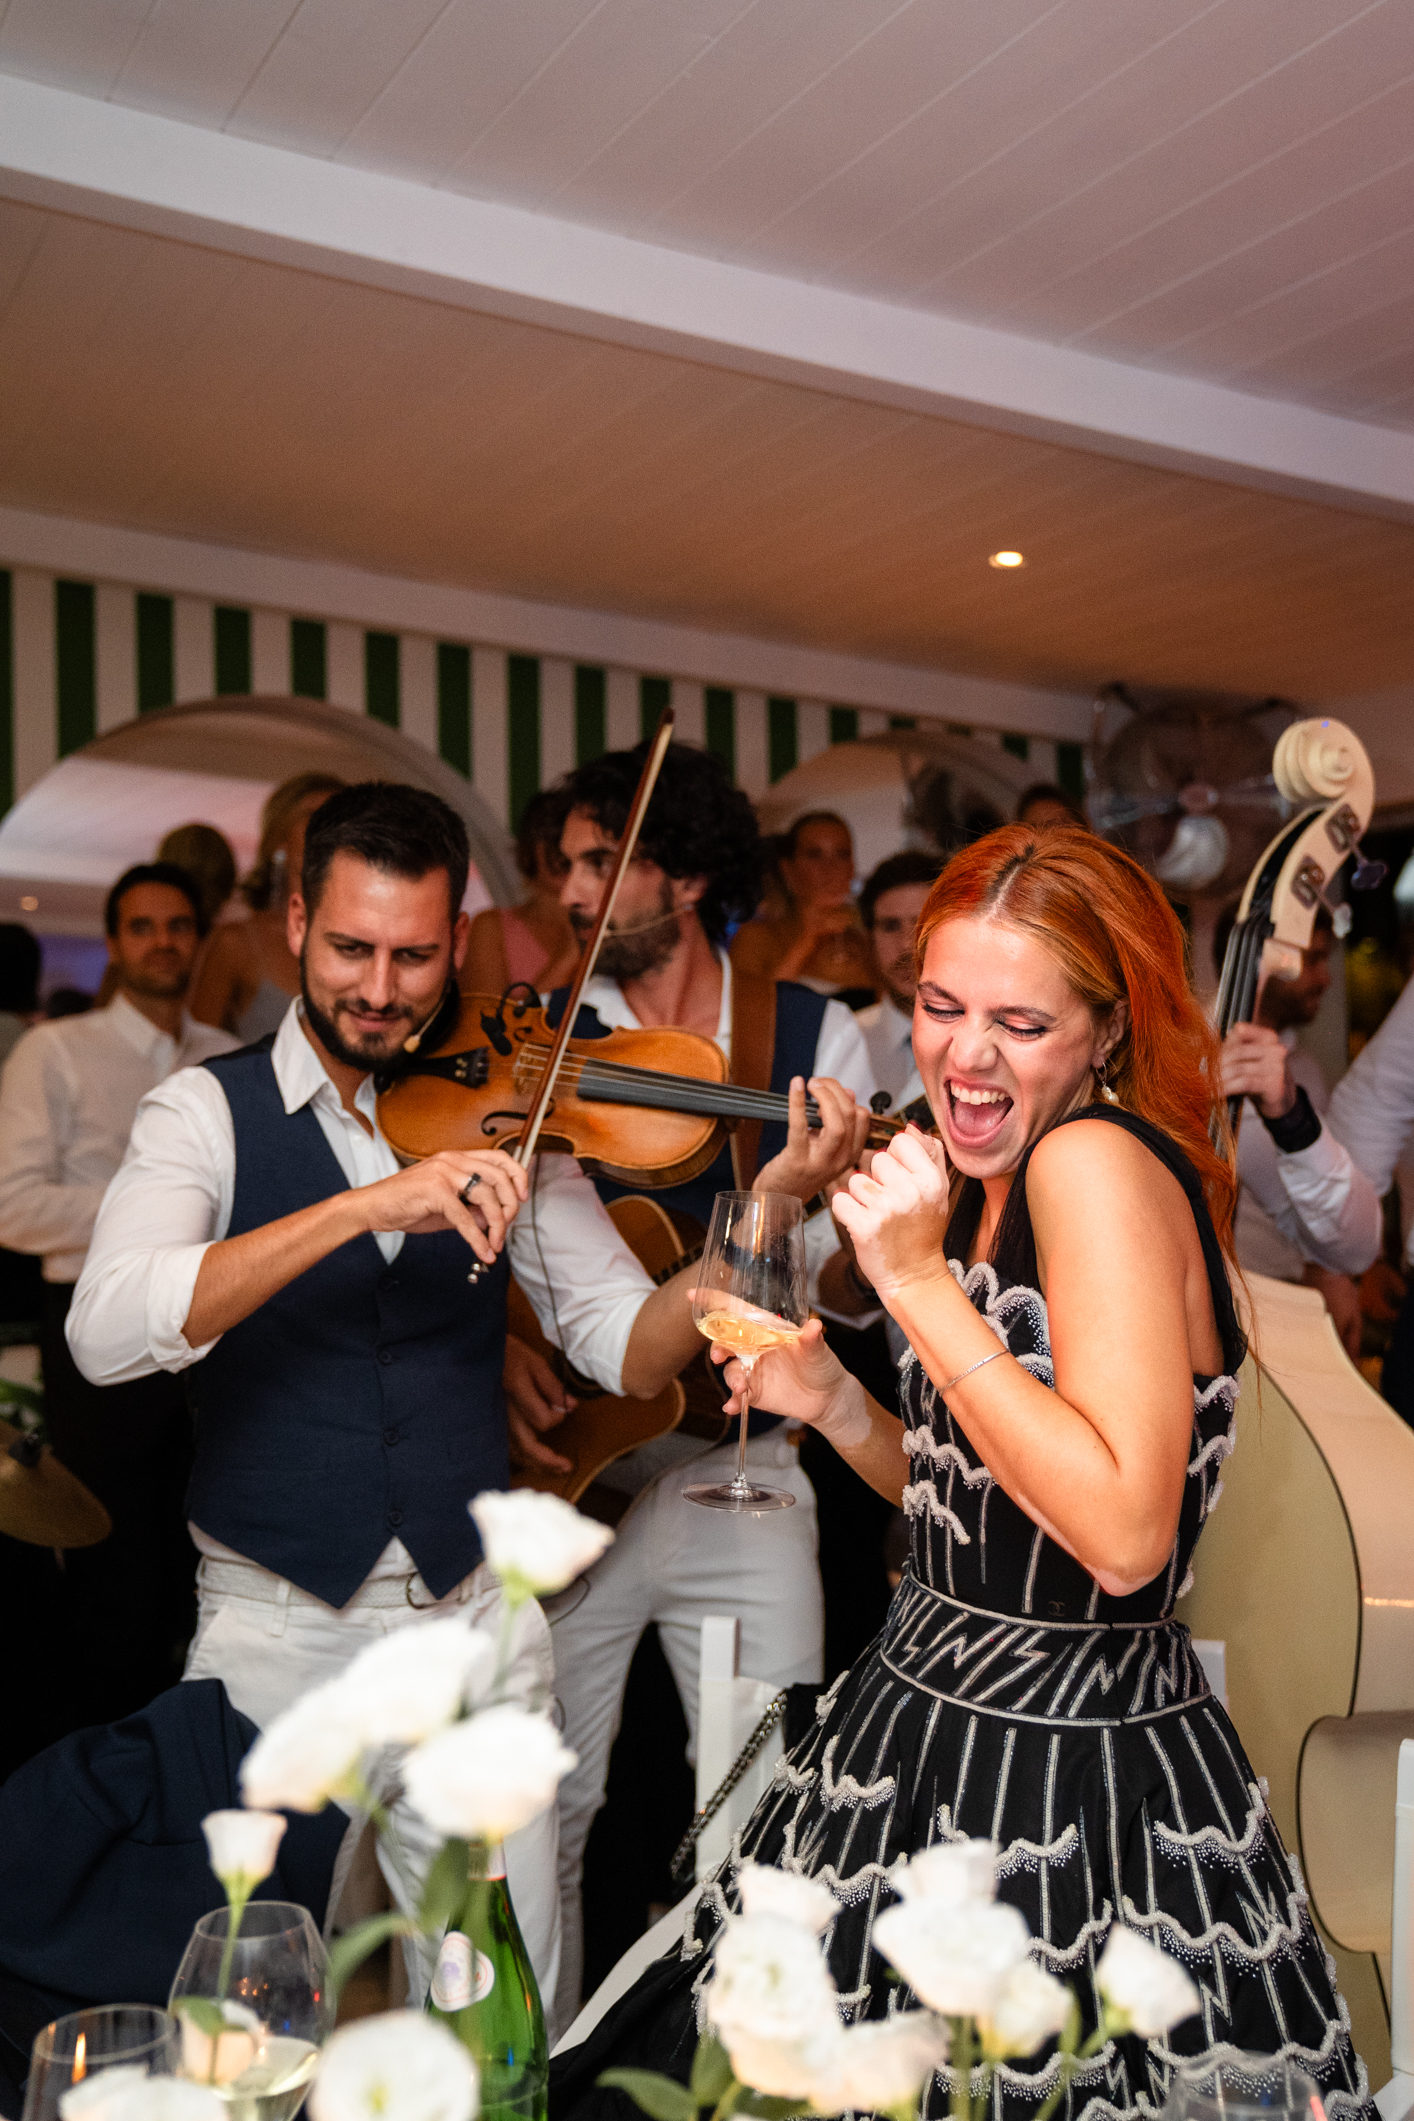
(649, 1107)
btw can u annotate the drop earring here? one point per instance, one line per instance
(1110, 1096)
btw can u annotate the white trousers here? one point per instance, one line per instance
(270, 1643)
(674, 1562)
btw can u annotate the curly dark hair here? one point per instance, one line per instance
(698, 824)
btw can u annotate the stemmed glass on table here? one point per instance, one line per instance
(750, 1296)
(92, 2044)
(254, 2010)
(1243, 2087)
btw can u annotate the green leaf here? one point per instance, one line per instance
(21, 1395)
(445, 1890)
(711, 2071)
(353, 1947)
(663, 2098)
(206, 2015)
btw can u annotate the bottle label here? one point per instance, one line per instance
(463, 1976)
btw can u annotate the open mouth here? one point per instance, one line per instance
(976, 1113)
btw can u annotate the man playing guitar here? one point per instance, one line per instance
(663, 962)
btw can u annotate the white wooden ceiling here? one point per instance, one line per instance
(1215, 187)
(176, 388)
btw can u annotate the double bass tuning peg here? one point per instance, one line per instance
(1367, 874)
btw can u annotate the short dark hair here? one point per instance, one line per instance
(402, 830)
(913, 866)
(698, 824)
(167, 873)
(1048, 792)
(1226, 921)
(20, 960)
(541, 823)
(790, 838)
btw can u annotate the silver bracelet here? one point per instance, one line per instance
(971, 1367)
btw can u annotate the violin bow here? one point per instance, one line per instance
(535, 1118)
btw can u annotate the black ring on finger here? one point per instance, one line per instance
(464, 1196)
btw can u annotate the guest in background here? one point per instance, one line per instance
(67, 1001)
(206, 856)
(249, 977)
(19, 985)
(67, 1100)
(533, 943)
(820, 942)
(1045, 804)
(1372, 1112)
(889, 906)
(1306, 1211)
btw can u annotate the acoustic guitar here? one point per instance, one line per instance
(1305, 1572)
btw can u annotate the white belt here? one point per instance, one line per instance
(246, 1579)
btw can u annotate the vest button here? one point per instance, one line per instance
(385, 1355)
(395, 1517)
(390, 1436)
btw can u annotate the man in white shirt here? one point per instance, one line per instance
(673, 1563)
(1306, 1211)
(262, 1238)
(889, 905)
(1372, 1112)
(67, 1100)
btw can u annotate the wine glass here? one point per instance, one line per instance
(750, 1295)
(74, 2051)
(254, 2010)
(1243, 2087)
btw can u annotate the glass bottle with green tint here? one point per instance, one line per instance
(484, 1990)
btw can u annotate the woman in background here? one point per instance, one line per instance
(820, 940)
(532, 943)
(249, 974)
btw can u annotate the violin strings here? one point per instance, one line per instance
(675, 1093)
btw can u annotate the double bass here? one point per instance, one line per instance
(1304, 1576)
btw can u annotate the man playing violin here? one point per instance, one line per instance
(663, 961)
(261, 1239)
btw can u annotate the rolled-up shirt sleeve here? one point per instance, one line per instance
(1372, 1106)
(170, 1200)
(583, 1281)
(1335, 1209)
(38, 1212)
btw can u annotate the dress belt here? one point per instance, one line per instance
(247, 1579)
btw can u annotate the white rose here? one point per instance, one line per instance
(772, 2003)
(402, 2066)
(536, 1543)
(954, 1871)
(83, 2101)
(416, 1680)
(1030, 2007)
(767, 1891)
(159, 2099)
(954, 1957)
(484, 1778)
(1145, 1991)
(881, 2067)
(243, 1847)
(308, 1755)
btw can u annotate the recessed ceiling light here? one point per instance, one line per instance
(1006, 559)
(29, 905)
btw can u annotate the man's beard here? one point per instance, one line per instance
(157, 986)
(372, 1050)
(634, 952)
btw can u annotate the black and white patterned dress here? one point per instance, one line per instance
(1009, 1697)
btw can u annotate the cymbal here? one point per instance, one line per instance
(41, 1502)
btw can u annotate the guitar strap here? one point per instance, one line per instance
(753, 1058)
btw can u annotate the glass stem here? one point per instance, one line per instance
(741, 1483)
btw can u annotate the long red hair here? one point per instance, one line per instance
(1116, 938)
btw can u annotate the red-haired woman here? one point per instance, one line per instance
(1059, 1263)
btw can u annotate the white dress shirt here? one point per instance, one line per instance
(888, 1034)
(1315, 1205)
(67, 1100)
(172, 1199)
(1372, 1110)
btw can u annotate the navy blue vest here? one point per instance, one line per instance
(799, 1015)
(362, 1401)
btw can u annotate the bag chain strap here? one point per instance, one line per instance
(683, 1853)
